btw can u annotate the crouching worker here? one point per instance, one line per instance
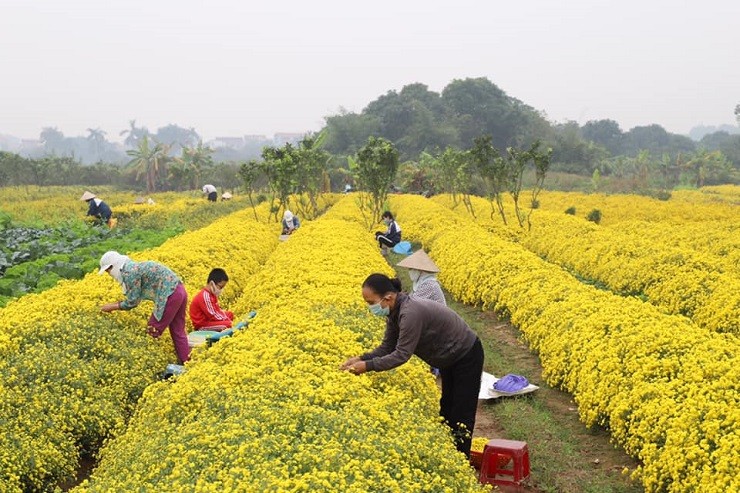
(155, 282)
(290, 223)
(204, 310)
(390, 237)
(97, 208)
(438, 336)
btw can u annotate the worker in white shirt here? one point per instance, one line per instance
(211, 191)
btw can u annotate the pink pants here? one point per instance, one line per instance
(174, 317)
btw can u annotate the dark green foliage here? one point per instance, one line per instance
(594, 216)
(505, 173)
(571, 211)
(249, 172)
(292, 169)
(419, 121)
(33, 260)
(661, 195)
(375, 169)
(416, 119)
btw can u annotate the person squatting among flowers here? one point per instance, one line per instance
(439, 337)
(391, 236)
(205, 312)
(155, 282)
(290, 223)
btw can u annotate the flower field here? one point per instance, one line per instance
(695, 276)
(72, 375)
(665, 388)
(636, 318)
(47, 237)
(710, 204)
(675, 278)
(53, 205)
(269, 410)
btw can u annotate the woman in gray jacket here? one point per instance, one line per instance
(438, 336)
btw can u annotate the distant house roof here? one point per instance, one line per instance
(283, 137)
(31, 143)
(233, 142)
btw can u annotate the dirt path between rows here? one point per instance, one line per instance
(565, 455)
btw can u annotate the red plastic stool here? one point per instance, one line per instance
(504, 462)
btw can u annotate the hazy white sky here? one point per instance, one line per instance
(235, 67)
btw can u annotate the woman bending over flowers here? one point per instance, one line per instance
(155, 282)
(438, 336)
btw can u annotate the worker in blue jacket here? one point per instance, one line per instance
(97, 208)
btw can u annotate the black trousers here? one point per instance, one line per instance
(212, 196)
(383, 240)
(460, 388)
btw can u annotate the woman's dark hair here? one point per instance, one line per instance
(218, 275)
(388, 214)
(382, 284)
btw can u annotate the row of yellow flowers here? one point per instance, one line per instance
(677, 279)
(269, 409)
(72, 375)
(666, 389)
(717, 240)
(52, 205)
(715, 193)
(683, 206)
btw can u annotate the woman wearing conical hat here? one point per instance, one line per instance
(96, 207)
(423, 273)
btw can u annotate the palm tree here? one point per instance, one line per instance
(97, 137)
(150, 162)
(196, 159)
(135, 134)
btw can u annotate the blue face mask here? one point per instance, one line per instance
(378, 310)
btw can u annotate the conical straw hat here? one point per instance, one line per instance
(87, 196)
(419, 261)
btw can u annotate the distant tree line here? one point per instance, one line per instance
(96, 148)
(421, 122)
(429, 131)
(150, 168)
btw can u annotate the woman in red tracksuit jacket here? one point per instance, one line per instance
(204, 310)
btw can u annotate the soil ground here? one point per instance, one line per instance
(565, 456)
